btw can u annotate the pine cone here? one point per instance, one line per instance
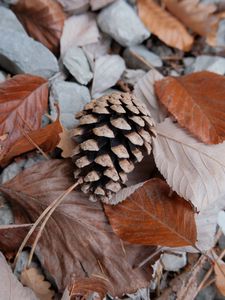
(114, 132)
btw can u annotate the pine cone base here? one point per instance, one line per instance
(114, 132)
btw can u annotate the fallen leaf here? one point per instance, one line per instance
(193, 14)
(192, 169)
(78, 231)
(43, 20)
(66, 143)
(164, 26)
(37, 283)
(86, 286)
(219, 269)
(10, 287)
(144, 91)
(150, 216)
(46, 138)
(23, 100)
(197, 102)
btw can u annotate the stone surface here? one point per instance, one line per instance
(71, 98)
(2, 76)
(8, 20)
(74, 6)
(76, 62)
(121, 22)
(139, 57)
(108, 70)
(173, 262)
(79, 30)
(132, 76)
(97, 4)
(214, 64)
(22, 54)
(220, 37)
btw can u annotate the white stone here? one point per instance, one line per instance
(214, 64)
(132, 76)
(173, 262)
(8, 20)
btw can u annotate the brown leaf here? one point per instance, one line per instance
(37, 283)
(10, 287)
(164, 26)
(150, 216)
(43, 20)
(23, 100)
(193, 14)
(66, 144)
(84, 287)
(197, 102)
(219, 269)
(78, 231)
(46, 138)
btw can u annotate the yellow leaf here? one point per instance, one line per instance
(66, 143)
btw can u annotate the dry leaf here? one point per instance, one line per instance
(43, 20)
(150, 216)
(86, 286)
(144, 91)
(164, 26)
(46, 138)
(219, 268)
(78, 231)
(197, 102)
(10, 287)
(66, 143)
(192, 169)
(192, 13)
(37, 283)
(23, 100)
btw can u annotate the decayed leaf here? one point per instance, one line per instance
(43, 20)
(46, 138)
(10, 287)
(23, 100)
(219, 269)
(86, 286)
(194, 170)
(165, 26)
(83, 241)
(197, 102)
(66, 144)
(144, 91)
(193, 14)
(37, 283)
(150, 216)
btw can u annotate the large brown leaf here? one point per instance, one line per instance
(23, 100)
(77, 239)
(43, 20)
(46, 138)
(193, 14)
(150, 216)
(197, 102)
(165, 26)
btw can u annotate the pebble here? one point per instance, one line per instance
(6, 215)
(121, 22)
(74, 6)
(22, 54)
(3, 76)
(9, 20)
(214, 64)
(174, 262)
(220, 37)
(132, 76)
(97, 4)
(108, 70)
(76, 62)
(79, 30)
(139, 57)
(71, 98)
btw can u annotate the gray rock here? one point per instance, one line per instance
(22, 54)
(209, 293)
(6, 216)
(97, 4)
(9, 20)
(139, 57)
(214, 64)
(2, 76)
(132, 76)
(10, 1)
(220, 36)
(76, 62)
(74, 6)
(188, 61)
(108, 70)
(71, 98)
(121, 22)
(174, 261)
